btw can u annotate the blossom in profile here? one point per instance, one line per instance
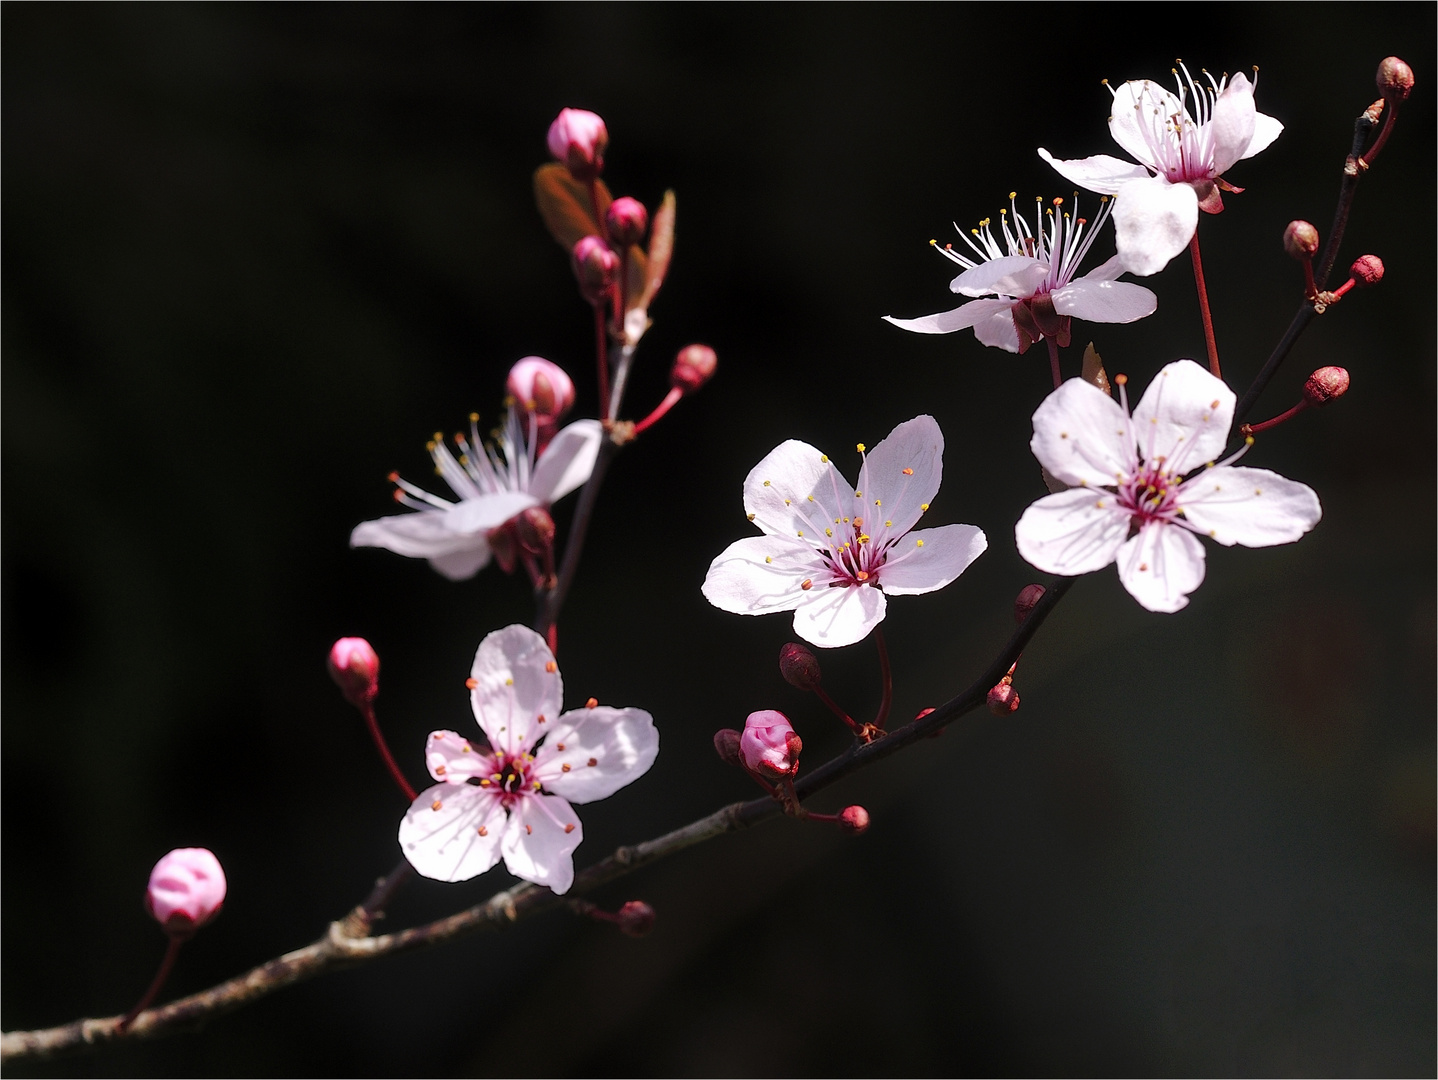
(1146, 486)
(491, 484)
(509, 795)
(833, 552)
(1031, 275)
(1183, 144)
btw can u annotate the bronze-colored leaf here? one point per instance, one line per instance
(566, 206)
(638, 272)
(661, 247)
(1093, 371)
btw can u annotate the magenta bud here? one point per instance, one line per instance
(1026, 601)
(627, 221)
(1325, 385)
(354, 666)
(1300, 240)
(1003, 699)
(767, 745)
(1394, 79)
(726, 745)
(636, 918)
(798, 666)
(187, 890)
(1366, 270)
(595, 267)
(578, 139)
(853, 820)
(542, 387)
(693, 367)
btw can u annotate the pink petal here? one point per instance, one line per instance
(778, 490)
(961, 318)
(446, 843)
(1104, 301)
(462, 565)
(916, 445)
(420, 535)
(1252, 507)
(453, 759)
(762, 574)
(605, 749)
(1102, 173)
(1232, 126)
(931, 558)
(1141, 112)
(1082, 436)
(1161, 566)
(834, 617)
(516, 682)
(1108, 271)
(1073, 532)
(996, 329)
(1184, 417)
(536, 846)
(1265, 130)
(478, 516)
(1014, 275)
(1154, 221)
(567, 461)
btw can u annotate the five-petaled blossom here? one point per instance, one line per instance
(509, 796)
(1132, 504)
(831, 550)
(1031, 277)
(493, 484)
(1183, 144)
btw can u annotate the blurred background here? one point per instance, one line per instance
(255, 255)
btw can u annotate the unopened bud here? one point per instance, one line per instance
(536, 529)
(187, 890)
(1394, 79)
(1366, 270)
(767, 746)
(1300, 240)
(1003, 699)
(542, 387)
(1325, 385)
(693, 367)
(799, 666)
(354, 666)
(726, 745)
(595, 267)
(578, 139)
(1026, 601)
(627, 221)
(853, 820)
(636, 918)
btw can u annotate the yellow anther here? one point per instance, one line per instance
(806, 584)
(1248, 441)
(828, 532)
(766, 483)
(811, 498)
(801, 532)
(862, 448)
(786, 502)
(509, 779)
(484, 783)
(435, 805)
(824, 458)
(878, 502)
(908, 472)
(1013, 194)
(768, 558)
(862, 575)
(888, 524)
(858, 494)
(923, 508)
(920, 543)
(864, 538)
(509, 681)
(474, 418)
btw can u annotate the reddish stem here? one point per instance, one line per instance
(369, 718)
(601, 353)
(1390, 117)
(670, 400)
(887, 674)
(551, 638)
(1254, 429)
(1054, 361)
(1208, 337)
(155, 984)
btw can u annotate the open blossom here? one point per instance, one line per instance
(492, 484)
(1031, 276)
(1183, 144)
(1147, 488)
(509, 795)
(830, 550)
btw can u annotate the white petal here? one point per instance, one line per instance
(1233, 123)
(1102, 173)
(890, 494)
(996, 329)
(605, 749)
(794, 490)
(762, 574)
(1108, 271)
(453, 759)
(1161, 566)
(1265, 130)
(1141, 115)
(567, 461)
(464, 564)
(931, 558)
(421, 535)
(946, 322)
(1082, 436)
(477, 516)
(446, 843)
(516, 682)
(834, 617)
(1013, 275)
(1073, 532)
(1252, 507)
(1184, 417)
(1104, 301)
(536, 847)
(1154, 221)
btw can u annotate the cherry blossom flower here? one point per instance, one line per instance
(1183, 144)
(1031, 274)
(492, 484)
(510, 795)
(1132, 503)
(831, 551)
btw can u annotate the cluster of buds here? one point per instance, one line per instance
(1003, 699)
(1301, 242)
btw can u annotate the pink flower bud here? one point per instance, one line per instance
(798, 666)
(767, 746)
(693, 367)
(1003, 699)
(1394, 79)
(595, 267)
(636, 918)
(1366, 270)
(354, 666)
(1325, 385)
(187, 889)
(1026, 601)
(853, 820)
(1300, 240)
(726, 745)
(577, 139)
(626, 220)
(542, 387)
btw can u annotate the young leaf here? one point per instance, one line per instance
(565, 204)
(661, 248)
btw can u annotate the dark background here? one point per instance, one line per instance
(254, 255)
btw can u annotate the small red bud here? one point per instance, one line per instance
(636, 918)
(854, 820)
(1003, 699)
(798, 666)
(1300, 240)
(1325, 385)
(354, 666)
(726, 745)
(627, 221)
(1026, 601)
(1366, 270)
(578, 139)
(1394, 79)
(693, 367)
(595, 267)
